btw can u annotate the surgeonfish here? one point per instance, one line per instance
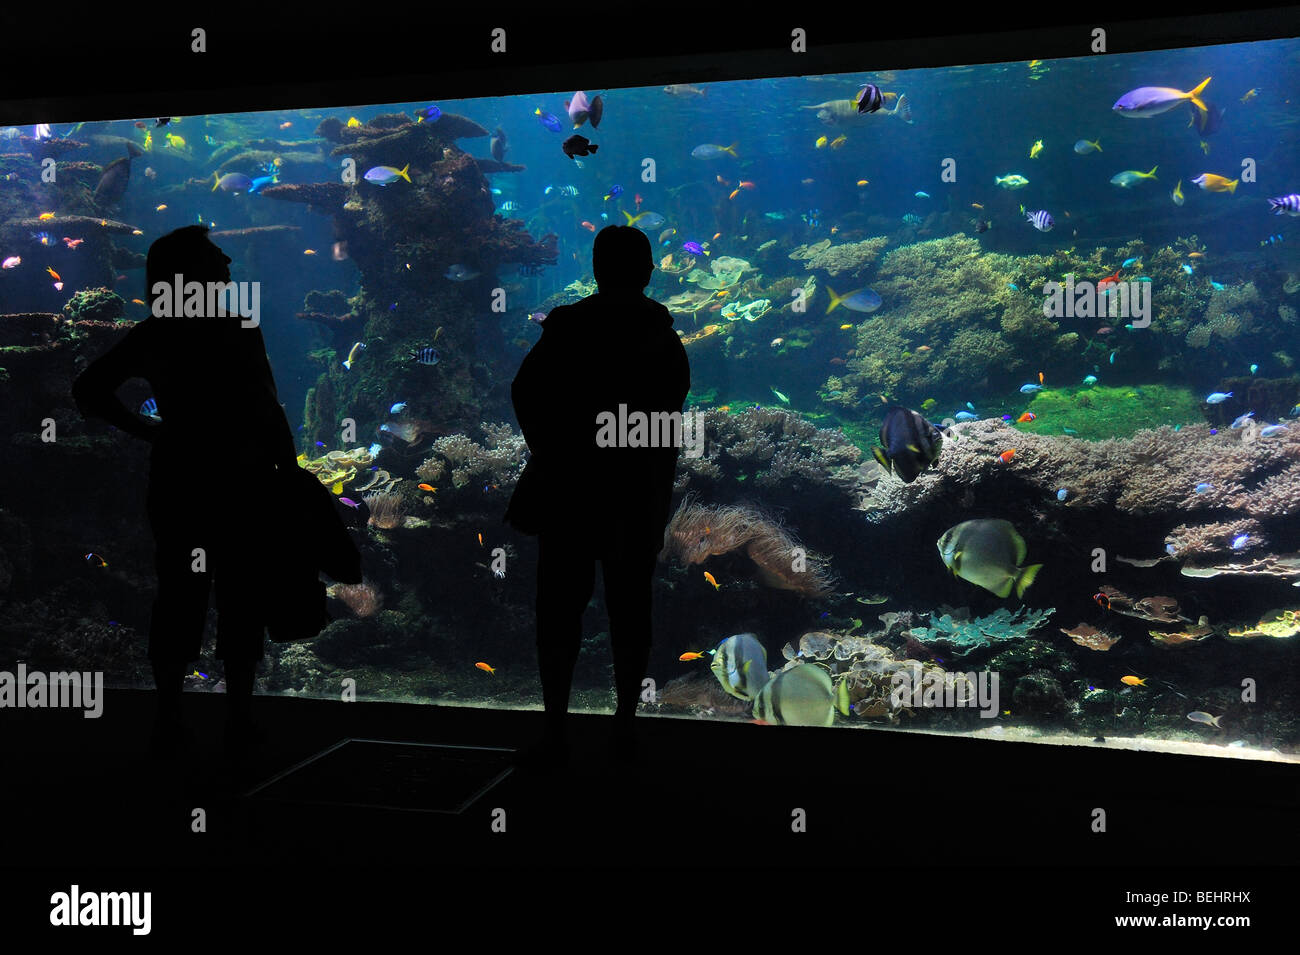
(988, 553)
(740, 664)
(909, 443)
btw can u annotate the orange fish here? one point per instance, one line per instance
(286, 124)
(715, 307)
(690, 656)
(137, 301)
(587, 225)
(485, 668)
(1109, 280)
(72, 243)
(1132, 681)
(1027, 416)
(716, 237)
(480, 539)
(1101, 600)
(723, 408)
(1006, 456)
(430, 487)
(723, 182)
(734, 193)
(53, 274)
(922, 349)
(746, 185)
(45, 216)
(308, 251)
(976, 205)
(1040, 377)
(709, 577)
(834, 229)
(1196, 255)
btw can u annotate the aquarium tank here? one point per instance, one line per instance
(995, 366)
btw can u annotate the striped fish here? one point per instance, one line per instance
(1041, 220)
(1288, 205)
(909, 444)
(426, 356)
(150, 408)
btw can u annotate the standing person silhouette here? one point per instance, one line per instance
(215, 395)
(588, 502)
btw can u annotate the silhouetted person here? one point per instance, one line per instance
(588, 502)
(215, 451)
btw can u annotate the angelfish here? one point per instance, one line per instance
(988, 553)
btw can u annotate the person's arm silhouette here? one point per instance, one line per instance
(95, 390)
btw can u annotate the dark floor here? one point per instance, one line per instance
(82, 794)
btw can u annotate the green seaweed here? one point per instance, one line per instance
(1097, 412)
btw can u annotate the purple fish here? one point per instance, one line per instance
(578, 108)
(693, 247)
(538, 317)
(349, 502)
(1148, 101)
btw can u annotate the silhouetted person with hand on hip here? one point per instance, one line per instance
(607, 357)
(217, 403)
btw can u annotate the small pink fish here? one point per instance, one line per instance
(349, 502)
(12, 262)
(72, 243)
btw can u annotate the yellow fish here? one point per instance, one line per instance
(353, 122)
(1250, 95)
(148, 140)
(1035, 63)
(709, 577)
(176, 142)
(845, 328)
(1035, 149)
(821, 142)
(666, 261)
(839, 141)
(160, 208)
(45, 216)
(1177, 194)
(437, 333)
(1212, 183)
(1132, 681)
(308, 251)
(863, 182)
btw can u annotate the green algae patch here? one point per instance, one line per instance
(1099, 412)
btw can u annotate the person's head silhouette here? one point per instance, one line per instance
(621, 259)
(187, 252)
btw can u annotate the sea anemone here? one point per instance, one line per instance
(387, 510)
(363, 599)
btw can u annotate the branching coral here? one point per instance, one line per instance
(697, 532)
(499, 462)
(963, 632)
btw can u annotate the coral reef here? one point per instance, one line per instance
(958, 629)
(94, 305)
(387, 509)
(499, 461)
(1089, 636)
(363, 599)
(853, 257)
(1098, 412)
(1278, 624)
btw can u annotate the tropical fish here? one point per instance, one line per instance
(683, 89)
(1012, 181)
(96, 559)
(1177, 194)
(1130, 177)
(1006, 456)
(1027, 416)
(869, 98)
(712, 580)
(353, 122)
(397, 408)
(1133, 681)
(647, 220)
(497, 145)
(801, 696)
(1063, 494)
(1285, 205)
(1217, 397)
(821, 142)
(1250, 94)
(426, 487)
(1147, 101)
(690, 656)
(115, 176)
(589, 226)
(908, 443)
(352, 355)
(1083, 147)
(1090, 380)
(549, 120)
(383, 175)
(863, 300)
(1240, 541)
(175, 142)
(149, 408)
(1041, 220)
(614, 191)
(1129, 262)
(839, 141)
(485, 668)
(1269, 430)
(12, 262)
(425, 356)
(740, 664)
(261, 181)
(989, 554)
(921, 195)
(712, 151)
(42, 237)
(780, 397)
(577, 145)
(966, 416)
(1241, 421)
(1200, 716)
(1030, 388)
(1203, 487)
(1212, 183)
(1035, 149)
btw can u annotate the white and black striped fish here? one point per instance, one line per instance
(1041, 220)
(1285, 205)
(426, 356)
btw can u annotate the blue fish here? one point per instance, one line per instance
(261, 181)
(1062, 494)
(547, 119)
(149, 408)
(1041, 220)
(320, 444)
(231, 182)
(1069, 431)
(966, 416)
(1030, 389)
(1240, 541)
(614, 190)
(921, 195)
(430, 114)
(383, 175)
(1217, 286)
(397, 408)
(1254, 368)
(1013, 286)
(970, 406)
(42, 237)
(1188, 269)
(1241, 422)
(1203, 487)
(1112, 357)
(1090, 380)
(1130, 262)
(426, 355)
(694, 248)
(1270, 430)
(1217, 397)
